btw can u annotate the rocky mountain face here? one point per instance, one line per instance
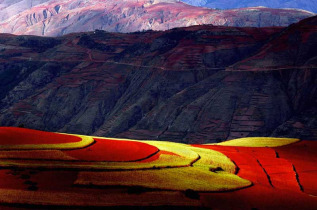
(293, 50)
(195, 84)
(55, 18)
(230, 4)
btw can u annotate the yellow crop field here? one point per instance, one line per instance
(258, 142)
(193, 178)
(184, 156)
(174, 166)
(213, 160)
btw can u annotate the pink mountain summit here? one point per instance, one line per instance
(55, 18)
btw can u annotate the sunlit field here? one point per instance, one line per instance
(48, 167)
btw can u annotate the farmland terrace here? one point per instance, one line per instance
(244, 173)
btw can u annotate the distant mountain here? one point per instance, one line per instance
(230, 4)
(196, 84)
(55, 18)
(9, 8)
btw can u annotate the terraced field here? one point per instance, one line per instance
(37, 169)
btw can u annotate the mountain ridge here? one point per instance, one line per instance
(55, 18)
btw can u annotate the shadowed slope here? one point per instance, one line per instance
(293, 48)
(160, 85)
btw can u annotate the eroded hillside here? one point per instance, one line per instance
(56, 18)
(177, 85)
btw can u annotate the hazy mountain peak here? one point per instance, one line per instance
(55, 18)
(232, 4)
(162, 1)
(152, 2)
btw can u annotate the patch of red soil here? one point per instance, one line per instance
(285, 181)
(308, 181)
(302, 153)
(20, 136)
(259, 152)
(113, 150)
(275, 184)
(303, 156)
(278, 169)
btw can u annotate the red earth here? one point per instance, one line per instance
(113, 150)
(101, 150)
(283, 177)
(18, 136)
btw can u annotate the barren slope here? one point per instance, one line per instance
(157, 85)
(54, 18)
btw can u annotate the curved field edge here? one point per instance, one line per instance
(211, 172)
(182, 167)
(240, 142)
(213, 160)
(258, 142)
(184, 156)
(114, 151)
(85, 142)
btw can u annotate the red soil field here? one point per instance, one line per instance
(113, 150)
(274, 180)
(283, 177)
(303, 157)
(22, 136)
